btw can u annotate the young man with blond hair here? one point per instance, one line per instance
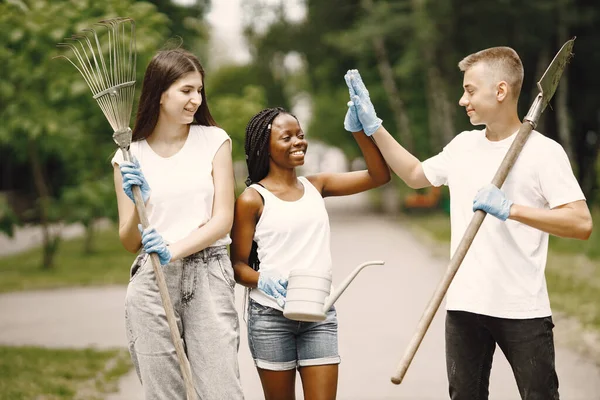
(499, 295)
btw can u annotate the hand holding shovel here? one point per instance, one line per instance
(547, 86)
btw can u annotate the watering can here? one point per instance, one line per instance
(308, 293)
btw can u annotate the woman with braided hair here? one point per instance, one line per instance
(280, 224)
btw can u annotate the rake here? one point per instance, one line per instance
(109, 70)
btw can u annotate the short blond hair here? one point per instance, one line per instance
(504, 61)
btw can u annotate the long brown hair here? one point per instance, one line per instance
(165, 68)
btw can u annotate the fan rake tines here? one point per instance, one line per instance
(106, 58)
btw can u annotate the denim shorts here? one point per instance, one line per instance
(280, 344)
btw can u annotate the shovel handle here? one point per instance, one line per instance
(459, 255)
(184, 364)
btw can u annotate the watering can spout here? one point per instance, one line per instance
(338, 292)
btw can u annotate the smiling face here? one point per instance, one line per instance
(482, 94)
(181, 100)
(287, 143)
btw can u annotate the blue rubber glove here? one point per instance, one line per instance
(364, 108)
(133, 176)
(273, 285)
(351, 121)
(153, 242)
(493, 201)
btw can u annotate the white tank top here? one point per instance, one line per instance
(182, 185)
(291, 235)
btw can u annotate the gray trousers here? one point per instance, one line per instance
(201, 287)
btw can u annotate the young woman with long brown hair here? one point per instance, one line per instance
(187, 185)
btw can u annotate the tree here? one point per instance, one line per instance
(186, 22)
(88, 202)
(49, 117)
(415, 46)
(233, 112)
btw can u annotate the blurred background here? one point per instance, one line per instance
(57, 202)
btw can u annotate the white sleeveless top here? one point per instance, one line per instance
(182, 185)
(291, 235)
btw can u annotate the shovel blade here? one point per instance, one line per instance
(549, 81)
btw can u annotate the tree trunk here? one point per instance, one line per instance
(542, 64)
(387, 76)
(440, 111)
(49, 241)
(88, 244)
(562, 107)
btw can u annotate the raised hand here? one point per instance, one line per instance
(493, 201)
(271, 284)
(351, 121)
(361, 100)
(153, 242)
(133, 176)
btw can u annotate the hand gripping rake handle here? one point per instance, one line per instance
(547, 86)
(123, 139)
(108, 68)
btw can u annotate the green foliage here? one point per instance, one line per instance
(233, 113)
(337, 35)
(8, 218)
(186, 23)
(107, 265)
(327, 124)
(50, 120)
(89, 201)
(39, 373)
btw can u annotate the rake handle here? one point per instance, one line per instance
(184, 364)
(459, 255)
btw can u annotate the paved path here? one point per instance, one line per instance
(377, 316)
(31, 236)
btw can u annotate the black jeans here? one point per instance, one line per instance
(528, 345)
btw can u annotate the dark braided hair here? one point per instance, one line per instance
(258, 135)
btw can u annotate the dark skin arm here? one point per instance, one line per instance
(248, 208)
(343, 184)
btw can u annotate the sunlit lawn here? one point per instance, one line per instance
(109, 264)
(572, 271)
(50, 374)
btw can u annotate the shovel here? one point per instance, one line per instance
(547, 86)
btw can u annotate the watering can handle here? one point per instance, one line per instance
(332, 299)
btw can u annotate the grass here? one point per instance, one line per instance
(108, 264)
(49, 374)
(572, 270)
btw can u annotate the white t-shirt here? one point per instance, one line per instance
(502, 274)
(182, 187)
(292, 235)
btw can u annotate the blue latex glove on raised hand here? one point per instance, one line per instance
(351, 121)
(493, 201)
(133, 176)
(273, 285)
(362, 102)
(153, 242)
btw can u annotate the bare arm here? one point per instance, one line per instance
(129, 235)
(571, 220)
(342, 184)
(222, 213)
(247, 209)
(403, 163)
